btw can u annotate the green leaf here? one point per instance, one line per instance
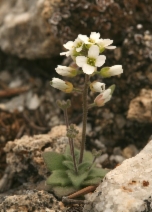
(88, 157)
(68, 157)
(94, 181)
(77, 179)
(68, 164)
(84, 166)
(63, 191)
(58, 178)
(53, 160)
(97, 172)
(67, 154)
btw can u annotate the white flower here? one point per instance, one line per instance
(93, 60)
(73, 47)
(111, 71)
(69, 46)
(105, 44)
(105, 96)
(66, 71)
(64, 86)
(93, 39)
(102, 98)
(97, 86)
(78, 44)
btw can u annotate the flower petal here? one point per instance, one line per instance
(110, 47)
(69, 45)
(115, 70)
(100, 60)
(66, 53)
(107, 42)
(84, 38)
(81, 60)
(79, 49)
(93, 51)
(95, 36)
(87, 69)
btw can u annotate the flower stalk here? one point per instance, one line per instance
(85, 113)
(71, 142)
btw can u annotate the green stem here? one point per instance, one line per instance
(67, 126)
(85, 113)
(91, 105)
(77, 90)
(70, 141)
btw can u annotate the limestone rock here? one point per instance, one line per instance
(127, 188)
(24, 156)
(24, 31)
(140, 108)
(30, 200)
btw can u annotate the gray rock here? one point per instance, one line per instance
(24, 23)
(30, 200)
(140, 107)
(127, 188)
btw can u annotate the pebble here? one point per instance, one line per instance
(130, 151)
(120, 120)
(117, 151)
(102, 158)
(117, 158)
(32, 101)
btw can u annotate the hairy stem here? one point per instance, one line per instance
(84, 119)
(67, 126)
(71, 143)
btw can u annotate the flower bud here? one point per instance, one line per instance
(63, 104)
(66, 71)
(97, 86)
(105, 96)
(111, 71)
(64, 86)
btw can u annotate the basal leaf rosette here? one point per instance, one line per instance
(63, 179)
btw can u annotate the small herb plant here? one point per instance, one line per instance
(75, 169)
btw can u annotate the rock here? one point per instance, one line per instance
(23, 156)
(141, 106)
(117, 158)
(120, 121)
(25, 23)
(130, 151)
(30, 200)
(127, 188)
(102, 159)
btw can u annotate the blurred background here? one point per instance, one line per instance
(32, 34)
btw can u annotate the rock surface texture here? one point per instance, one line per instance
(127, 188)
(141, 107)
(24, 31)
(29, 201)
(24, 159)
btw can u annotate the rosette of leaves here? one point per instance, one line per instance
(63, 179)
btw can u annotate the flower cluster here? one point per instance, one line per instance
(86, 52)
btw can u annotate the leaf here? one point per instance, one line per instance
(53, 160)
(58, 177)
(88, 157)
(77, 179)
(68, 156)
(84, 166)
(97, 172)
(63, 191)
(94, 181)
(68, 164)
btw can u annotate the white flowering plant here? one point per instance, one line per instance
(76, 168)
